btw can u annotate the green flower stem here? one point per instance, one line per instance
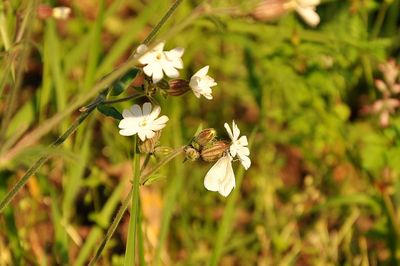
(131, 97)
(130, 251)
(11, 194)
(36, 134)
(125, 203)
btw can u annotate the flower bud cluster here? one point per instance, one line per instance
(206, 147)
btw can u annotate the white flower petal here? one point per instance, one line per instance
(128, 132)
(170, 71)
(228, 183)
(236, 131)
(228, 129)
(136, 111)
(175, 53)
(220, 177)
(246, 162)
(309, 15)
(157, 74)
(126, 113)
(155, 113)
(202, 72)
(142, 135)
(161, 120)
(146, 108)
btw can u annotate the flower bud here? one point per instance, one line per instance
(162, 151)
(178, 87)
(215, 151)
(191, 154)
(268, 10)
(148, 145)
(204, 137)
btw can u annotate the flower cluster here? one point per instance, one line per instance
(220, 177)
(389, 88)
(268, 10)
(156, 62)
(146, 122)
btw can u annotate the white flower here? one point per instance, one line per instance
(201, 83)
(157, 61)
(307, 11)
(221, 177)
(239, 145)
(144, 123)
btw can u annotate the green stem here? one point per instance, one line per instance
(162, 21)
(379, 20)
(130, 252)
(11, 194)
(116, 221)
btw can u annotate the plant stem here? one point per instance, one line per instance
(130, 251)
(11, 194)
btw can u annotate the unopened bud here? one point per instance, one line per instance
(162, 151)
(204, 137)
(268, 10)
(148, 145)
(178, 87)
(191, 154)
(215, 151)
(163, 84)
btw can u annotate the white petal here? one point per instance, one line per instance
(142, 135)
(243, 141)
(136, 110)
(202, 72)
(170, 71)
(245, 161)
(228, 183)
(148, 70)
(154, 114)
(215, 174)
(228, 129)
(157, 74)
(128, 132)
(309, 15)
(146, 108)
(161, 120)
(236, 131)
(126, 113)
(175, 53)
(159, 47)
(129, 122)
(149, 134)
(311, 3)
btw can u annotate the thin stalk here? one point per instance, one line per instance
(124, 206)
(162, 21)
(36, 134)
(12, 96)
(11, 194)
(130, 251)
(379, 20)
(131, 97)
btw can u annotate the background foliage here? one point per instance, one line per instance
(323, 188)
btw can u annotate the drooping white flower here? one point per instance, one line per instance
(307, 11)
(239, 145)
(142, 121)
(157, 61)
(221, 177)
(61, 12)
(201, 83)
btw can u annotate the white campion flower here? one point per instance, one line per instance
(239, 145)
(221, 177)
(201, 83)
(142, 121)
(307, 11)
(157, 61)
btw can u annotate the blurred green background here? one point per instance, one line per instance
(323, 188)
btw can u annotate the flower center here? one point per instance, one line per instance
(159, 56)
(143, 123)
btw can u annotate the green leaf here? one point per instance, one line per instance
(110, 111)
(121, 84)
